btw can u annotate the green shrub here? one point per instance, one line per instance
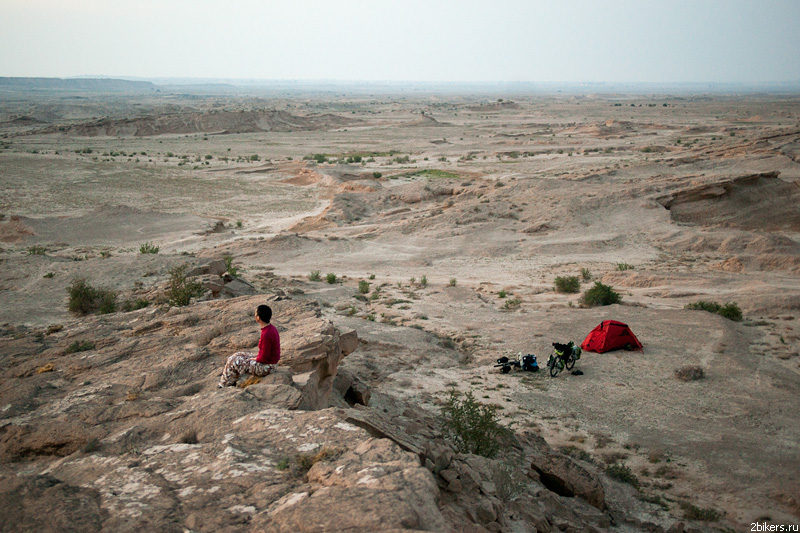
(315, 276)
(330, 277)
(363, 287)
(319, 158)
(568, 284)
(730, 310)
(585, 274)
(376, 175)
(472, 426)
(133, 305)
(255, 157)
(511, 304)
(622, 474)
(85, 299)
(624, 266)
(181, 290)
(37, 250)
(106, 301)
(423, 280)
(692, 512)
(148, 248)
(81, 297)
(600, 294)
(453, 282)
(80, 346)
(502, 294)
(229, 268)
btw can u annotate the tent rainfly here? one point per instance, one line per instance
(611, 335)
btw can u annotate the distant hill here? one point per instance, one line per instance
(75, 84)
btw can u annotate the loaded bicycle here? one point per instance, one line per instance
(563, 356)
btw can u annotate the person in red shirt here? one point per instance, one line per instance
(261, 364)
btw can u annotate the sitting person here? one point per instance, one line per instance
(262, 364)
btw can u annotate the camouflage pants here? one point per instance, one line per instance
(243, 363)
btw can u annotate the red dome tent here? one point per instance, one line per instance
(610, 335)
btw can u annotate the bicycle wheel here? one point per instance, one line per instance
(570, 361)
(555, 367)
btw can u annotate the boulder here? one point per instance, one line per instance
(237, 287)
(562, 475)
(375, 487)
(44, 503)
(277, 396)
(351, 389)
(214, 268)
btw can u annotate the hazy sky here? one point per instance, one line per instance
(461, 40)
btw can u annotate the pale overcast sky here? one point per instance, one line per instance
(433, 40)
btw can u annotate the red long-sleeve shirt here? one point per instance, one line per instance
(269, 345)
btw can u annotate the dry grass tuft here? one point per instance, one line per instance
(46, 368)
(252, 380)
(690, 373)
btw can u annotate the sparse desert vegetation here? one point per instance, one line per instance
(450, 232)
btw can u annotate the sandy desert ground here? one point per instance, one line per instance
(669, 199)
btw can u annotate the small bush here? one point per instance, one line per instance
(229, 268)
(423, 280)
(447, 342)
(134, 305)
(624, 266)
(37, 250)
(190, 437)
(315, 276)
(692, 512)
(85, 299)
(453, 282)
(577, 453)
(80, 346)
(283, 464)
(502, 294)
(730, 310)
(585, 274)
(600, 294)
(568, 284)
(472, 426)
(330, 277)
(148, 248)
(181, 290)
(107, 301)
(622, 474)
(511, 304)
(376, 175)
(255, 157)
(690, 373)
(239, 223)
(363, 287)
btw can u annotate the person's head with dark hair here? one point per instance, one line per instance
(264, 313)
